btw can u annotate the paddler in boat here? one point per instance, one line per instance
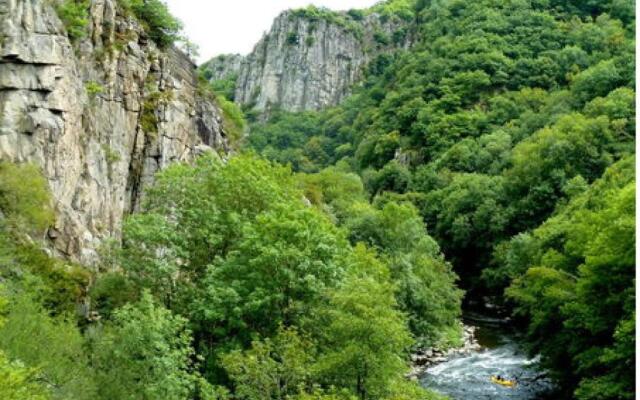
(499, 380)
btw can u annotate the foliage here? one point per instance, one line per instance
(275, 368)
(293, 38)
(74, 14)
(498, 125)
(381, 38)
(226, 87)
(111, 155)
(53, 347)
(17, 382)
(24, 197)
(506, 129)
(93, 89)
(403, 9)
(144, 354)
(268, 283)
(221, 92)
(316, 14)
(214, 221)
(233, 123)
(363, 342)
(163, 28)
(578, 291)
(499, 105)
(425, 283)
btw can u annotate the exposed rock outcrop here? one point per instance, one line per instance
(422, 359)
(306, 63)
(223, 66)
(100, 117)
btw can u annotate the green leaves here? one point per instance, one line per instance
(18, 382)
(24, 197)
(578, 293)
(163, 28)
(49, 350)
(275, 272)
(74, 14)
(145, 354)
(366, 336)
(275, 368)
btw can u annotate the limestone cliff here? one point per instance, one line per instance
(310, 62)
(224, 66)
(100, 116)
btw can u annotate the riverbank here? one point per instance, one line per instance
(423, 359)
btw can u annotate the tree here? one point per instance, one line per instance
(234, 248)
(274, 274)
(145, 353)
(17, 382)
(425, 283)
(578, 292)
(275, 368)
(52, 349)
(24, 197)
(365, 336)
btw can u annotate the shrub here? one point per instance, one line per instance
(357, 15)
(93, 89)
(292, 38)
(381, 38)
(163, 28)
(233, 119)
(75, 17)
(226, 87)
(24, 197)
(111, 155)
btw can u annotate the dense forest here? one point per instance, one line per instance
(492, 159)
(510, 127)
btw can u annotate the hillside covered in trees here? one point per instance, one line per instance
(494, 158)
(510, 126)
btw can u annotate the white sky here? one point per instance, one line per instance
(235, 26)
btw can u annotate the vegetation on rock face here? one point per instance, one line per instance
(233, 119)
(224, 87)
(163, 28)
(74, 14)
(316, 14)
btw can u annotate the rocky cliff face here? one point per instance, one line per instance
(223, 66)
(306, 63)
(100, 117)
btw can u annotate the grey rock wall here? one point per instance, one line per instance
(100, 116)
(303, 64)
(224, 66)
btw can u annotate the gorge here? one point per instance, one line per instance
(304, 221)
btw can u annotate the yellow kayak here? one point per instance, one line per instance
(503, 382)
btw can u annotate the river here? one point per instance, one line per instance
(467, 377)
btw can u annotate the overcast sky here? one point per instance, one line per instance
(234, 26)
